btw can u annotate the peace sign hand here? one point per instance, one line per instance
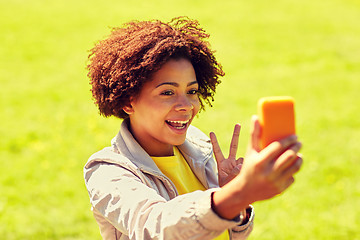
(228, 168)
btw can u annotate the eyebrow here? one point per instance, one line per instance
(176, 84)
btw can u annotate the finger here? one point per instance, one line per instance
(255, 134)
(294, 168)
(236, 170)
(234, 141)
(287, 158)
(273, 151)
(239, 161)
(287, 183)
(219, 157)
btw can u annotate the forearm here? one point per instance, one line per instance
(230, 200)
(246, 218)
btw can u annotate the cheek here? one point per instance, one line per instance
(196, 105)
(153, 107)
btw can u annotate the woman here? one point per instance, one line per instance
(159, 180)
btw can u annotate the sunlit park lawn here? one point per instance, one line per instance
(49, 125)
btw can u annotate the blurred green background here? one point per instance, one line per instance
(50, 126)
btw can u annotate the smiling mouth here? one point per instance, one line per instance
(177, 124)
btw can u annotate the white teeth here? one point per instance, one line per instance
(178, 122)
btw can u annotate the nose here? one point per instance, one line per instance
(184, 103)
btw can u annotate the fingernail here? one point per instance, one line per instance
(293, 137)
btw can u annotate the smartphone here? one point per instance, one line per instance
(276, 117)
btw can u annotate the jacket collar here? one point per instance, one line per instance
(125, 143)
(196, 150)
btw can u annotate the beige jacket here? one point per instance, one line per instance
(132, 199)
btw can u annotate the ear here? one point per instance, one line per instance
(128, 109)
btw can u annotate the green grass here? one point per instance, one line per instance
(49, 125)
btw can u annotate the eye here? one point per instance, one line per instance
(193, 92)
(167, 93)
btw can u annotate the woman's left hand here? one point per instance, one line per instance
(228, 168)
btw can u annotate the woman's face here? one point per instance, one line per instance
(165, 107)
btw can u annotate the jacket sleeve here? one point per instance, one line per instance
(139, 212)
(243, 230)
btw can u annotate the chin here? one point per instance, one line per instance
(179, 141)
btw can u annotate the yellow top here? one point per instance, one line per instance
(177, 169)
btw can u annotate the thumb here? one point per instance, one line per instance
(255, 134)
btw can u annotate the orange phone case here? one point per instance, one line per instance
(276, 117)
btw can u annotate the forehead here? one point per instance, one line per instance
(174, 70)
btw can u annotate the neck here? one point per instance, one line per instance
(159, 152)
(154, 148)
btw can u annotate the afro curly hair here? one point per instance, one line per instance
(120, 64)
